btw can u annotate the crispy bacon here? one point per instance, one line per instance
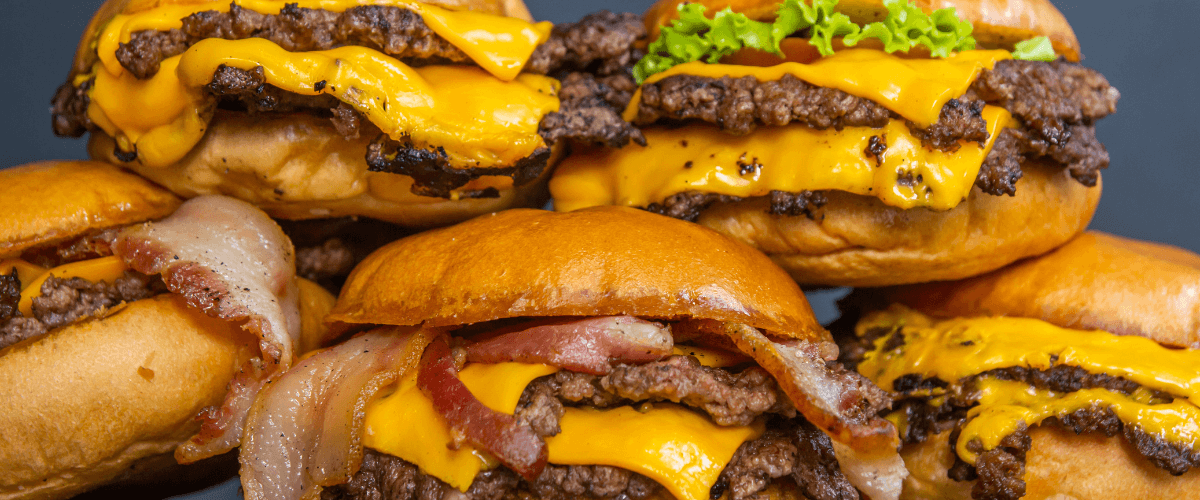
(589, 345)
(231, 261)
(305, 430)
(512, 442)
(879, 475)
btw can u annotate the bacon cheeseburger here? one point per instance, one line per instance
(416, 113)
(115, 333)
(606, 353)
(1072, 375)
(861, 142)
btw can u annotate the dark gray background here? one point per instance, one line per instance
(1146, 49)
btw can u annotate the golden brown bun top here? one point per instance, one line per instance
(593, 262)
(53, 200)
(85, 54)
(1097, 281)
(998, 23)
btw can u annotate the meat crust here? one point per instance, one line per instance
(65, 301)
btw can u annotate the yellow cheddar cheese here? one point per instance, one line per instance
(1005, 406)
(106, 269)
(499, 45)
(26, 272)
(790, 158)
(681, 449)
(915, 89)
(478, 120)
(954, 349)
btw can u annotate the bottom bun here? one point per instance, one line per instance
(87, 401)
(1060, 465)
(297, 166)
(858, 241)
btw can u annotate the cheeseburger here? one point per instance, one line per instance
(861, 142)
(1071, 375)
(618, 354)
(126, 315)
(415, 113)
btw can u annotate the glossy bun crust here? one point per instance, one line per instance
(54, 200)
(299, 167)
(998, 23)
(1096, 281)
(859, 241)
(592, 262)
(87, 401)
(1059, 466)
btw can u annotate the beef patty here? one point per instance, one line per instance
(600, 44)
(791, 449)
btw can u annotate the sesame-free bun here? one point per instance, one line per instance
(859, 241)
(54, 200)
(1060, 465)
(998, 23)
(592, 262)
(297, 166)
(1097, 281)
(86, 401)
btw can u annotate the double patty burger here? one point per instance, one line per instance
(115, 332)
(416, 113)
(617, 354)
(1072, 375)
(861, 142)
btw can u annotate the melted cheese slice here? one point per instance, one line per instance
(916, 89)
(954, 349)
(26, 272)
(404, 424)
(500, 45)
(957, 348)
(1005, 406)
(106, 269)
(478, 120)
(790, 158)
(681, 449)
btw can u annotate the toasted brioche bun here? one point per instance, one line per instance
(1096, 281)
(859, 241)
(1060, 466)
(85, 53)
(591, 262)
(298, 166)
(55, 200)
(86, 401)
(998, 23)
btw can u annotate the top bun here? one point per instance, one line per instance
(1097, 281)
(593, 262)
(85, 54)
(998, 23)
(55, 200)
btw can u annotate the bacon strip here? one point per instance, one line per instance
(231, 261)
(589, 345)
(305, 430)
(512, 442)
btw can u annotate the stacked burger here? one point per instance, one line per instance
(939, 155)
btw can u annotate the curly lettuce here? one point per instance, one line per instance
(1035, 49)
(694, 36)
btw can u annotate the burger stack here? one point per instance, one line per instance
(307, 248)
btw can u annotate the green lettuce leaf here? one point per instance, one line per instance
(1035, 49)
(694, 36)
